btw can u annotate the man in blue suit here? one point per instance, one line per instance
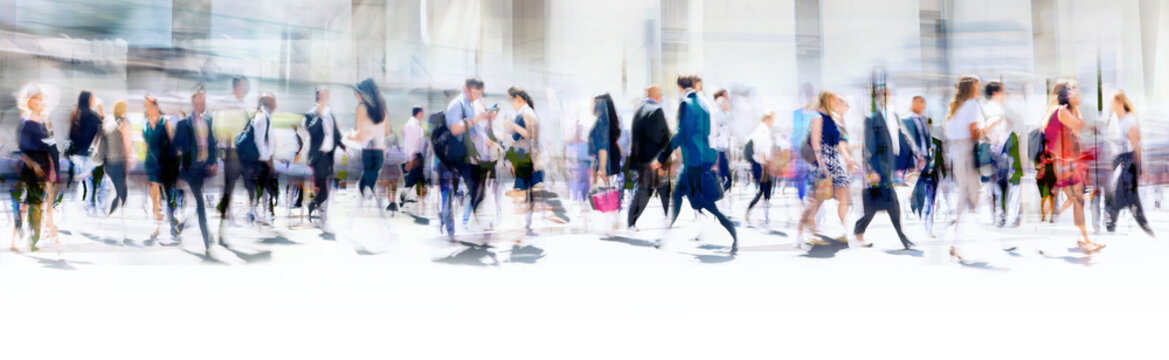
(886, 150)
(697, 181)
(195, 144)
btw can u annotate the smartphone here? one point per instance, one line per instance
(493, 108)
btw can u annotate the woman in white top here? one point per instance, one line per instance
(962, 128)
(523, 152)
(372, 128)
(1128, 163)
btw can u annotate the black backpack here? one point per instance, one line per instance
(749, 150)
(245, 142)
(448, 148)
(1036, 144)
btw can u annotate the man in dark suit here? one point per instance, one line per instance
(196, 147)
(886, 151)
(927, 163)
(324, 138)
(650, 136)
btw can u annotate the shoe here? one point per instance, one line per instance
(392, 207)
(1011, 249)
(954, 254)
(909, 245)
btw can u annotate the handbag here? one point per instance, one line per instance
(823, 189)
(605, 199)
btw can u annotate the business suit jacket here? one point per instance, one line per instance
(650, 135)
(693, 133)
(879, 156)
(314, 125)
(186, 143)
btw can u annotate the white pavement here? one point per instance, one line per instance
(497, 292)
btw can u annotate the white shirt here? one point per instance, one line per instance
(327, 125)
(412, 138)
(761, 143)
(997, 134)
(958, 126)
(893, 126)
(260, 124)
(1123, 145)
(720, 126)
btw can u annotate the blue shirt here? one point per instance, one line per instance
(460, 108)
(693, 133)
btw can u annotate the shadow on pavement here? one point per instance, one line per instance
(471, 254)
(526, 254)
(59, 264)
(628, 240)
(825, 251)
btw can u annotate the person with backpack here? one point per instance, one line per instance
(255, 154)
(758, 153)
(449, 140)
(231, 117)
(650, 135)
(1008, 167)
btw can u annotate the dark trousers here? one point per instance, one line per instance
(649, 181)
(232, 171)
(194, 181)
(763, 180)
(477, 182)
(690, 184)
(322, 173)
(371, 165)
(724, 170)
(258, 178)
(117, 174)
(881, 198)
(1125, 196)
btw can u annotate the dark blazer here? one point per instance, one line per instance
(916, 134)
(693, 133)
(186, 143)
(650, 135)
(879, 157)
(316, 133)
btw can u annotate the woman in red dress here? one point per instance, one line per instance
(1062, 132)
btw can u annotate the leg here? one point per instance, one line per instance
(895, 218)
(195, 182)
(641, 195)
(726, 223)
(863, 223)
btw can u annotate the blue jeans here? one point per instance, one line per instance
(448, 185)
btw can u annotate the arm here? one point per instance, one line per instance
(1071, 119)
(261, 128)
(127, 143)
(1134, 136)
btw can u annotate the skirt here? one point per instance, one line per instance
(835, 166)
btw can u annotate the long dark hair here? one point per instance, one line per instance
(516, 91)
(82, 107)
(604, 107)
(371, 96)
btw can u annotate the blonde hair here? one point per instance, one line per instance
(967, 89)
(1123, 99)
(120, 110)
(825, 102)
(28, 92)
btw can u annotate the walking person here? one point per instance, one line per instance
(524, 151)
(720, 135)
(649, 155)
(886, 151)
(963, 127)
(117, 150)
(697, 181)
(195, 146)
(324, 139)
(829, 175)
(256, 161)
(414, 150)
(1008, 167)
(161, 167)
(232, 118)
(1128, 166)
(482, 157)
(84, 126)
(1062, 133)
(928, 161)
(603, 144)
(36, 151)
(451, 150)
(759, 153)
(372, 128)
